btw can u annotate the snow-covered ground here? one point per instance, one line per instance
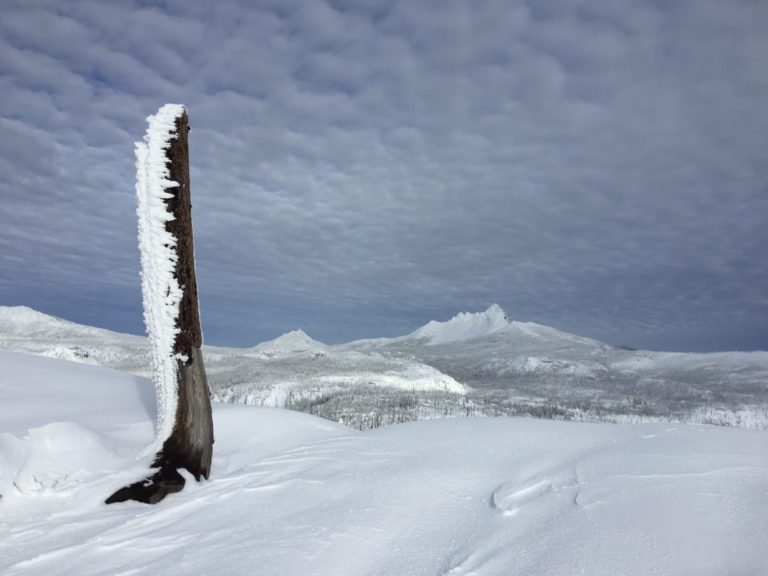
(293, 494)
(472, 364)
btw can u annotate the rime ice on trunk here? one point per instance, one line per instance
(171, 314)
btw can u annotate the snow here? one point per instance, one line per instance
(29, 322)
(23, 329)
(539, 364)
(463, 326)
(525, 368)
(292, 494)
(466, 326)
(515, 370)
(57, 418)
(410, 377)
(290, 343)
(160, 289)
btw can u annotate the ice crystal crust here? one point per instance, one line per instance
(160, 288)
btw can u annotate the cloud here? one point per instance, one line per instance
(358, 168)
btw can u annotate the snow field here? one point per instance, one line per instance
(292, 494)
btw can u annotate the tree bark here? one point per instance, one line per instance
(190, 444)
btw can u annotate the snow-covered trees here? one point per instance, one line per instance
(171, 314)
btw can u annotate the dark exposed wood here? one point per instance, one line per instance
(180, 205)
(150, 491)
(190, 444)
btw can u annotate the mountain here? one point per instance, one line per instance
(479, 363)
(23, 329)
(463, 326)
(493, 321)
(290, 343)
(23, 324)
(361, 389)
(528, 368)
(470, 326)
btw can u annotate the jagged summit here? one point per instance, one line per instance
(464, 326)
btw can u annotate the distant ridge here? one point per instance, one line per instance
(27, 322)
(479, 363)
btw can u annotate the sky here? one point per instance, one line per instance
(362, 167)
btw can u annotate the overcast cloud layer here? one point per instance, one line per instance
(359, 168)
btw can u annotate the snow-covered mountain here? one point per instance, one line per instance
(473, 364)
(523, 367)
(487, 497)
(290, 343)
(361, 389)
(468, 326)
(23, 329)
(463, 326)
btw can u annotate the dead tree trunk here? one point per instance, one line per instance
(190, 443)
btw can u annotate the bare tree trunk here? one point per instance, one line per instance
(190, 444)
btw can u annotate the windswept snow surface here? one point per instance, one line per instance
(293, 494)
(159, 287)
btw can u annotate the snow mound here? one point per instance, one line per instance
(292, 342)
(463, 326)
(54, 458)
(65, 426)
